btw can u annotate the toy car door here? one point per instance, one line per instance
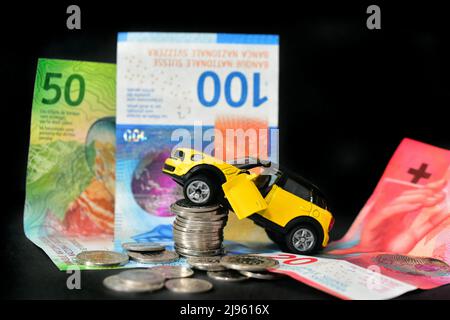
(243, 196)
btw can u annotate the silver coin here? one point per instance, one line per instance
(141, 277)
(206, 263)
(227, 275)
(262, 275)
(203, 221)
(197, 229)
(116, 284)
(158, 257)
(198, 235)
(143, 246)
(188, 285)
(173, 272)
(211, 252)
(248, 262)
(186, 243)
(202, 250)
(192, 231)
(184, 205)
(197, 254)
(102, 258)
(206, 222)
(211, 216)
(201, 215)
(216, 241)
(199, 245)
(200, 226)
(211, 245)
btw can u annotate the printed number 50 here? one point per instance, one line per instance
(57, 91)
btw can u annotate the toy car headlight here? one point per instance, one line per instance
(197, 157)
(178, 154)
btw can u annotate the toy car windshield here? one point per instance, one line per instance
(290, 182)
(249, 163)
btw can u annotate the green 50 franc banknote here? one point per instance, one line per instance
(71, 164)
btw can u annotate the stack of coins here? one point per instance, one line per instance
(198, 231)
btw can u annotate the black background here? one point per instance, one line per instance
(348, 95)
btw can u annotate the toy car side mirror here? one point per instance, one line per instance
(265, 163)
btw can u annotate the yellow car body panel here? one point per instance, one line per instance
(182, 167)
(279, 207)
(283, 207)
(243, 196)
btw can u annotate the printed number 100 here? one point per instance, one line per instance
(235, 102)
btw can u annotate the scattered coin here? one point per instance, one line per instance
(262, 275)
(248, 262)
(184, 205)
(154, 257)
(173, 272)
(116, 284)
(188, 285)
(206, 263)
(101, 258)
(141, 277)
(227, 275)
(143, 246)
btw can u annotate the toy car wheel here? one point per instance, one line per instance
(200, 190)
(303, 239)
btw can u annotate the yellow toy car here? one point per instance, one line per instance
(292, 211)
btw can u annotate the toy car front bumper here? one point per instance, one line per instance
(169, 170)
(175, 177)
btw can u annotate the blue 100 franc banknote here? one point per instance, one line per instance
(190, 90)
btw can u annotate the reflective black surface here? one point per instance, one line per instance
(348, 95)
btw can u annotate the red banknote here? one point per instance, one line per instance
(404, 229)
